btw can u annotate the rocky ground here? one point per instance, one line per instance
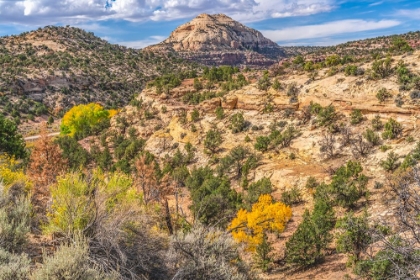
(345, 93)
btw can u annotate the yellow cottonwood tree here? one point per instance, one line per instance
(84, 119)
(266, 216)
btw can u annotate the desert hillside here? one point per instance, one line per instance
(47, 71)
(319, 144)
(304, 169)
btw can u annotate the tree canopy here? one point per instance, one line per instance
(265, 216)
(11, 142)
(83, 120)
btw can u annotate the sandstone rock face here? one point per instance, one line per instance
(218, 39)
(230, 102)
(210, 105)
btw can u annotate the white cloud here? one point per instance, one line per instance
(413, 14)
(327, 29)
(79, 11)
(152, 40)
(376, 4)
(303, 10)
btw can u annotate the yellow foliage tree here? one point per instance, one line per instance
(11, 173)
(266, 216)
(84, 119)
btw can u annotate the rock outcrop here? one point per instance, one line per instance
(220, 40)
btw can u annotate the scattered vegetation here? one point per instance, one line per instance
(134, 196)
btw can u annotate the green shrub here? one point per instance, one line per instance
(400, 45)
(11, 142)
(409, 139)
(354, 236)
(15, 212)
(69, 262)
(415, 153)
(415, 94)
(382, 68)
(213, 194)
(263, 258)
(393, 129)
(13, 266)
(264, 82)
(356, 117)
(385, 148)
(398, 100)
(299, 60)
(371, 137)
(195, 115)
(220, 114)
(408, 162)
(284, 139)
(213, 140)
(391, 163)
(277, 85)
(348, 184)
(332, 60)
(325, 115)
(332, 71)
(50, 120)
(378, 185)
(77, 157)
(74, 207)
(377, 123)
(353, 70)
(311, 183)
(350, 70)
(388, 263)
(307, 245)
(207, 253)
(292, 196)
(256, 189)
(292, 90)
(237, 122)
(262, 143)
(383, 95)
(198, 85)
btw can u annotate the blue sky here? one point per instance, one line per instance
(138, 23)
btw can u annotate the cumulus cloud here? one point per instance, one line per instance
(327, 29)
(79, 11)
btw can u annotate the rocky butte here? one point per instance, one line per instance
(217, 40)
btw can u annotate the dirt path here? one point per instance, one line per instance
(36, 137)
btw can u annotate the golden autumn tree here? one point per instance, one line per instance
(85, 119)
(265, 217)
